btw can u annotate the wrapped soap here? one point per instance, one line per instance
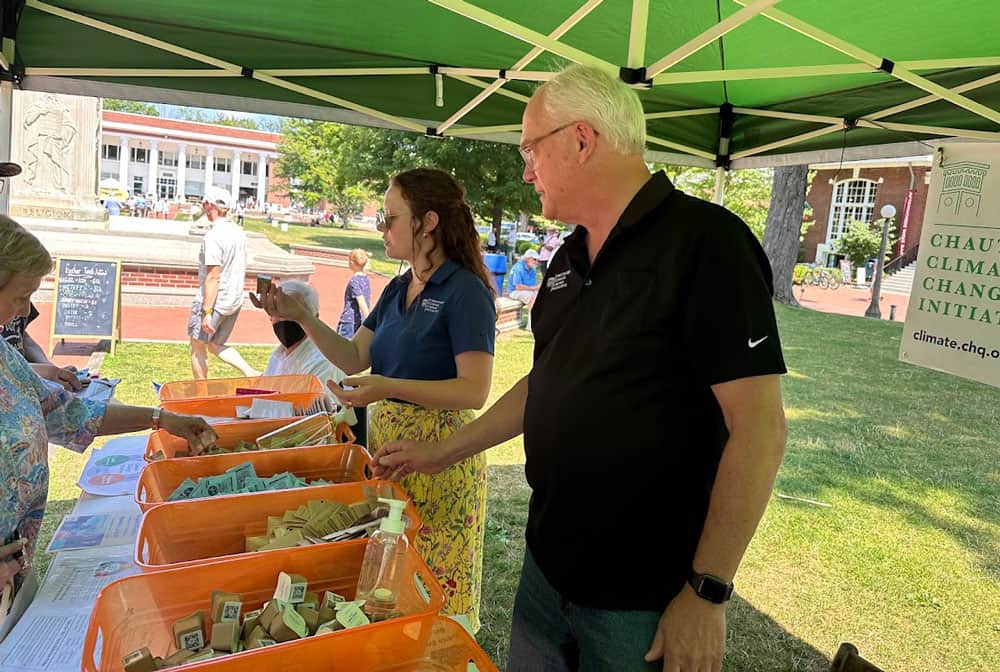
(291, 588)
(189, 632)
(139, 661)
(226, 606)
(225, 636)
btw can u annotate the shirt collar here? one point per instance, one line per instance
(656, 190)
(444, 271)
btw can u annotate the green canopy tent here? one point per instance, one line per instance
(725, 83)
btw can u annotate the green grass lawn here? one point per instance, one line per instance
(329, 236)
(905, 563)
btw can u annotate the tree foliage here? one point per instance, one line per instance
(133, 106)
(747, 193)
(859, 243)
(227, 119)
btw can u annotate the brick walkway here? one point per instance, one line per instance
(850, 301)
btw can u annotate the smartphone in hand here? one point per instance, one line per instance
(263, 284)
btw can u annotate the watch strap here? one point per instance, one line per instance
(155, 421)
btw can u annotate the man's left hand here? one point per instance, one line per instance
(691, 636)
(206, 325)
(367, 389)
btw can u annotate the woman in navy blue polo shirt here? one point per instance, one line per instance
(429, 342)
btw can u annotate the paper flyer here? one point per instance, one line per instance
(50, 634)
(88, 531)
(115, 468)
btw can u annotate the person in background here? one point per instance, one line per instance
(140, 205)
(34, 413)
(113, 205)
(634, 313)
(429, 342)
(297, 354)
(357, 295)
(549, 247)
(240, 213)
(221, 269)
(511, 244)
(15, 332)
(130, 204)
(522, 281)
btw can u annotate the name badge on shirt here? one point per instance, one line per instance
(558, 281)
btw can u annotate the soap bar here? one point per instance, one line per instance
(178, 657)
(254, 544)
(288, 625)
(310, 616)
(330, 599)
(226, 606)
(250, 621)
(328, 627)
(311, 599)
(225, 636)
(189, 632)
(270, 612)
(291, 588)
(139, 661)
(351, 617)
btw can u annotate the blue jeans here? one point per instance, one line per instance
(551, 634)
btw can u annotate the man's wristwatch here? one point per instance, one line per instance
(711, 588)
(155, 422)
(208, 311)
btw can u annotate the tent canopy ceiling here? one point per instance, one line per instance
(731, 82)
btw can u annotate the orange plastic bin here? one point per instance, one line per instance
(229, 434)
(339, 463)
(195, 532)
(139, 611)
(217, 397)
(389, 649)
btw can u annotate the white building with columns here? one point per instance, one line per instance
(176, 159)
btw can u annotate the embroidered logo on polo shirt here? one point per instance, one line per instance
(431, 305)
(558, 281)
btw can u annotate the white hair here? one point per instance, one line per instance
(304, 292)
(586, 93)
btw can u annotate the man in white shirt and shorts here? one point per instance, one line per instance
(221, 270)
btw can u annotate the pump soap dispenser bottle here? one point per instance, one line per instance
(382, 568)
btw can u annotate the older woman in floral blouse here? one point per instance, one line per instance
(33, 413)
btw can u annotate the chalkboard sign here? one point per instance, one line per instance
(87, 299)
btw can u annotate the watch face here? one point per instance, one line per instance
(712, 589)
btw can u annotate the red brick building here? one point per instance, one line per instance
(857, 190)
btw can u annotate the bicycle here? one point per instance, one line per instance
(826, 278)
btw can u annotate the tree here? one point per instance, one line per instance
(311, 158)
(490, 172)
(859, 243)
(783, 227)
(133, 106)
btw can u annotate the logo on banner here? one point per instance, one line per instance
(962, 187)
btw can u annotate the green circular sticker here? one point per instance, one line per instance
(111, 460)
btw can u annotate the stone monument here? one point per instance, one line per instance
(56, 142)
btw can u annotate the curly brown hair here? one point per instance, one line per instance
(429, 189)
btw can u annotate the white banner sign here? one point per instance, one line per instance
(953, 318)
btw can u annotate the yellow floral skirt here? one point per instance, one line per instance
(452, 504)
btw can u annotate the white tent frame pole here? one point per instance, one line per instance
(526, 75)
(832, 128)
(682, 148)
(703, 76)
(478, 130)
(709, 36)
(131, 35)
(6, 123)
(223, 65)
(720, 186)
(514, 29)
(931, 130)
(899, 71)
(483, 85)
(129, 72)
(776, 114)
(919, 102)
(637, 33)
(343, 72)
(696, 112)
(490, 89)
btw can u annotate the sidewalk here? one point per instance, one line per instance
(850, 301)
(169, 324)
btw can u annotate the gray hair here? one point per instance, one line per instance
(586, 93)
(21, 253)
(304, 292)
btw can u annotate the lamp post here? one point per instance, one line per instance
(887, 212)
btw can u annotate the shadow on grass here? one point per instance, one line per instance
(755, 643)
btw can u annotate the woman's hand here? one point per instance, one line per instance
(65, 376)
(367, 389)
(198, 433)
(9, 566)
(280, 305)
(397, 459)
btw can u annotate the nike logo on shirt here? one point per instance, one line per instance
(753, 344)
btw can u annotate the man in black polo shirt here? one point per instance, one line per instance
(656, 314)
